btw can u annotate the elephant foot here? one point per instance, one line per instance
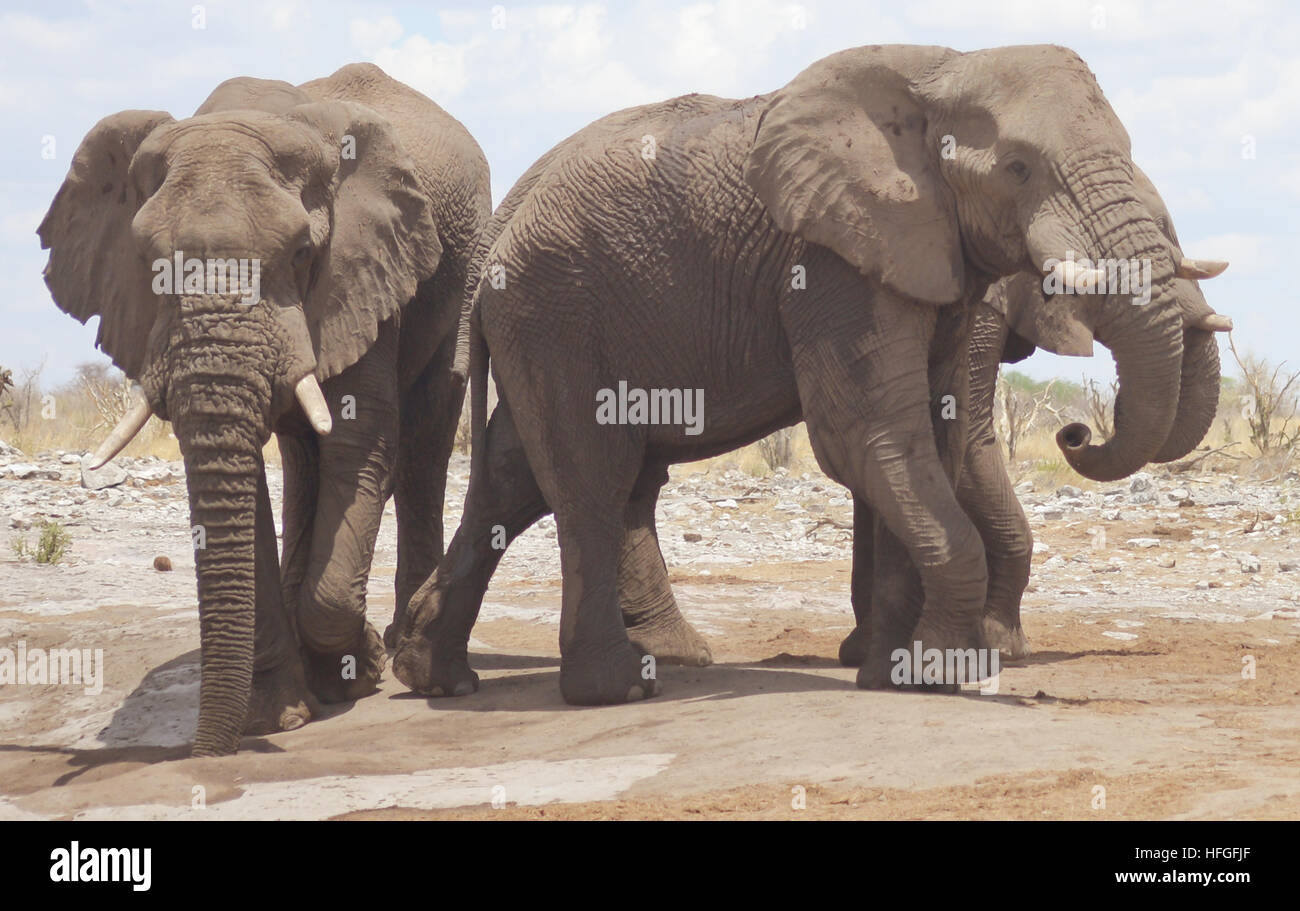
(1011, 642)
(853, 650)
(609, 677)
(280, 701)
(393, 633)
(929, 664)
(671, 642)
(425, 669)
(348, 675)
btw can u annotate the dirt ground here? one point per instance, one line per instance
(1164, 612)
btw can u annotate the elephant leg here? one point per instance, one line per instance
(853, 650)
(865, 390)
(430, 411)
(280, 700)
(344, 655)
(654, 623)
(433, 647)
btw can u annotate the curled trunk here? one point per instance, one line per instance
(1198, 399)
(1146, 340)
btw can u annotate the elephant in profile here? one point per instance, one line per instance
(814, 253)
(353, 201)
(1013, 319)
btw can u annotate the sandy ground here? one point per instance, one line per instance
(1165, 614)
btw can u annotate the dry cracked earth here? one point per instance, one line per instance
(1164, 612)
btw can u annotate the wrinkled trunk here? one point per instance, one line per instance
(218, 398)
(1198, 400)
(1146, 340)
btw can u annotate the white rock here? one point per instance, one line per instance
(1143, 542)
(1249, 563)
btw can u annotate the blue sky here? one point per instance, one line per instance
(1196, 84)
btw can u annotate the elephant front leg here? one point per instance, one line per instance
(281, 699)
(343, 654)
(654, 623)
(866, 399)
(430, 411)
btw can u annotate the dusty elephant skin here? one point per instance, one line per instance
(812, 253)
(881, 569)
(356, 201)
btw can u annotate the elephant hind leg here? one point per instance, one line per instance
(654, 623)
(433, 643)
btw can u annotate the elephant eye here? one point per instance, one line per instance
(1019, 171)
(302, 255)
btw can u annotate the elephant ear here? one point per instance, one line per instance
(841, 157)
(94, 268)
(382, 239)
(1058, 324)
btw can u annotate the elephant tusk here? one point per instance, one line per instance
(1214, 322)
(1076, 279)
(137, 415)
(1200, 268)
(313, 404)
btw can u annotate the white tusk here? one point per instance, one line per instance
(1214, 322)
(1076, 279)
(1200, 268)
(313, 404)
(137, 415)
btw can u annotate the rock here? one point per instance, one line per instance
(1143, 542)
(1287, 566)
(1067, 490)
(1249, 563)
(20, 520)
(726, 504)
(1203, 586)
(109, 475)
(1178, 493)
(1166, 562)
(1049, 513)
(1143, 497)
(22, 471)
(162, 564)
(1141, 482)
(69, 458)
(1025, 487)
(1112, 515)
(1040, 547)
(692, 536)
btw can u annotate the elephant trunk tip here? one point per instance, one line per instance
(1073, 438)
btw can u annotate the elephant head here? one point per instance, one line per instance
(934, 171)
(322, 199)
(1062, 324)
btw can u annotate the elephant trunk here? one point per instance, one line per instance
(218, 396)
(1145, 337)
(1198, 399)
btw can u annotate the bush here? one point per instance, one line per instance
(51, 547)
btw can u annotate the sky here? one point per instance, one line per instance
(1209, 92)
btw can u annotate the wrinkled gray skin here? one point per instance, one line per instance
(675, 271)
(882, 572)
(362, 199)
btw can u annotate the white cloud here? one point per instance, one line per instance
(437, 70)
(369, 37)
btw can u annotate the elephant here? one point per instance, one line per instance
(355, 201)
(881, 568)
(813, 253)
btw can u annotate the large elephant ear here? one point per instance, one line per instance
(1058, 323)
(94, 268)
(382, 240)
(842, 158)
